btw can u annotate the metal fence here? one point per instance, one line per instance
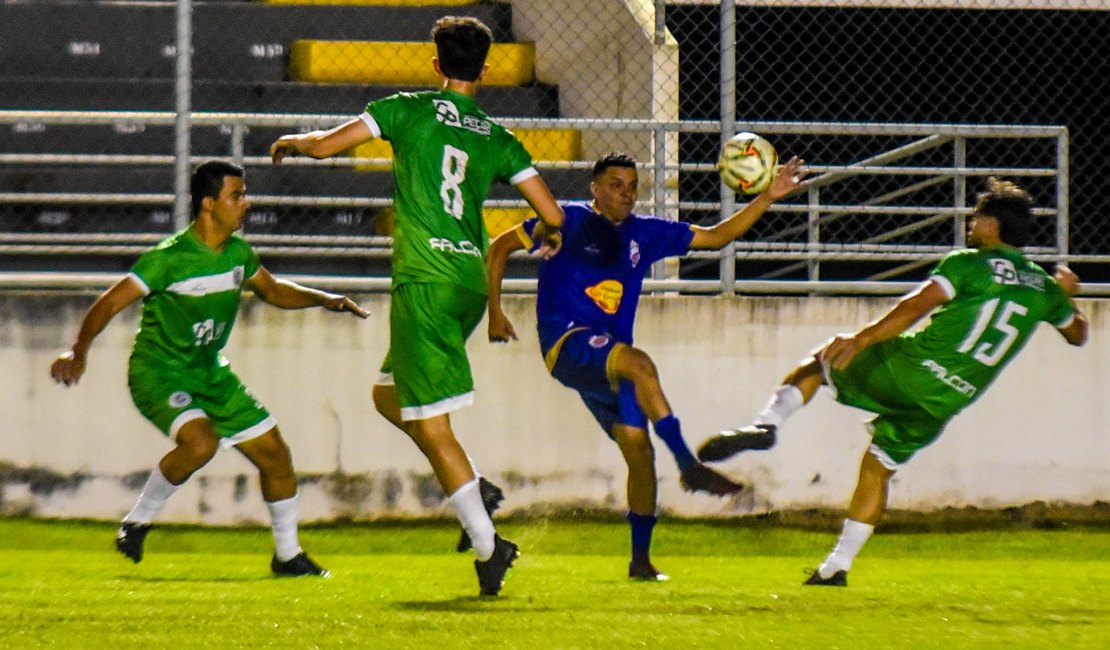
(900, 108)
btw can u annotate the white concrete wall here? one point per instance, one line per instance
(1040, 433)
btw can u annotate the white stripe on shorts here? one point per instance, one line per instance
(250, 433)
(184, 418)
(439, 408)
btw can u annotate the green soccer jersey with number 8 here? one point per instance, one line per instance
(446, 155)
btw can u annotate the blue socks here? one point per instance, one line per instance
(642, 526)
(670, 431)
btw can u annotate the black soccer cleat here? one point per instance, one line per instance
(129, 540)
(730, 442)
(299, 565)
(699, 478)
(492, 496)
(838, 579)
(491, 573)
(645, 571)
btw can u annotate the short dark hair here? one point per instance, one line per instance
(1011, 206)
(208, 179)
(613, 159)
(462, 43)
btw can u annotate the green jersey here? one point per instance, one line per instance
(446, 154)
(997, 298)
(192, 298)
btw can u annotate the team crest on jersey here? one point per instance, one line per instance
(180, 399)
(599, 340)
(237, 275)
(606, 295)
(634, 253)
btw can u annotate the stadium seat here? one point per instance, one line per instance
(400, 63)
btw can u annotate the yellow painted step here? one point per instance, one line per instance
(543, 144)
(391, 3)
(399, 63)
(498, 220)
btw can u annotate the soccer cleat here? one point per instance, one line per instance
(699, 478)
(299, 565)
(646, 571)
(129, 540)
(838, 579)
(492, 496)
(491, 572)
(730, 442)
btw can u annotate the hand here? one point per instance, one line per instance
(343, 303)
(788, 179)
(1067, 279)
(286, 144)
(68, 368)
(552, 240)
(840, 351)
(500, 328)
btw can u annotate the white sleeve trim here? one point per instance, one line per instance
(945, 284)
(1067, 322)
(371, 124)
(523, 175)
(139, 281)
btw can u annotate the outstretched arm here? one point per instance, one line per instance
(500, 327)
(290, 295)
(787, 180)
(1076, 331)
(537, 194)
(910, 309)
(321, 144)
(69, 366)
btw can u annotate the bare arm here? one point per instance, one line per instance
(910, 309)
(500, 328)
(786, 181)
(1076, 331)
(543, 203)
(290, 295)
(70, 365)
(322, 144)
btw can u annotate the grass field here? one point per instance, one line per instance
(396, 585)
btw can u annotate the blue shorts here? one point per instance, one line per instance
(581, 360)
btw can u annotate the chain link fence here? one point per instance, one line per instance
(900, 108)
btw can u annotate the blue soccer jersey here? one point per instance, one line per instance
(595, 279)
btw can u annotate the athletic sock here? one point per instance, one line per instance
(852, 538)
(669, 429)
(642, 526)
(787, 399)
(151, 499)
(468, 507)
(283, 518)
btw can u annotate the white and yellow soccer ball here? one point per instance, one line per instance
(748, 163)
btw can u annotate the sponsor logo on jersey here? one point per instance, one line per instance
(448, 113)
(463, 247)
(953, 380)
(1005, 273)
(206, 284)
(606, 295)
(180, 399)
(599, 340)
(634, 252)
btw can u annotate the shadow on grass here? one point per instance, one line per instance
(194, 580)
(464, 604)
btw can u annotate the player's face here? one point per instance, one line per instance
(231, 205)
(981, 229)
(615, 193)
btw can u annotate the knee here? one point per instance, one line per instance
(638, 452)
(200, 449)
(639, 366)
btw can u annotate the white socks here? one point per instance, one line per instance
(284, 515)
(151, 499)
(852, 539)
(782, 405)
(468, 506)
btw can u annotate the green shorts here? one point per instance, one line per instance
(901, 426)
(427, 362)
(170, 397)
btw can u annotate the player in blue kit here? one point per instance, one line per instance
(586, 308)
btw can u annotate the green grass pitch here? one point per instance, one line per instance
(398, 585)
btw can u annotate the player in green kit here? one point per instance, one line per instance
(446, 154)
(988, 299)
(190, 285)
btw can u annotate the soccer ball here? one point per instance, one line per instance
(748, 163)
